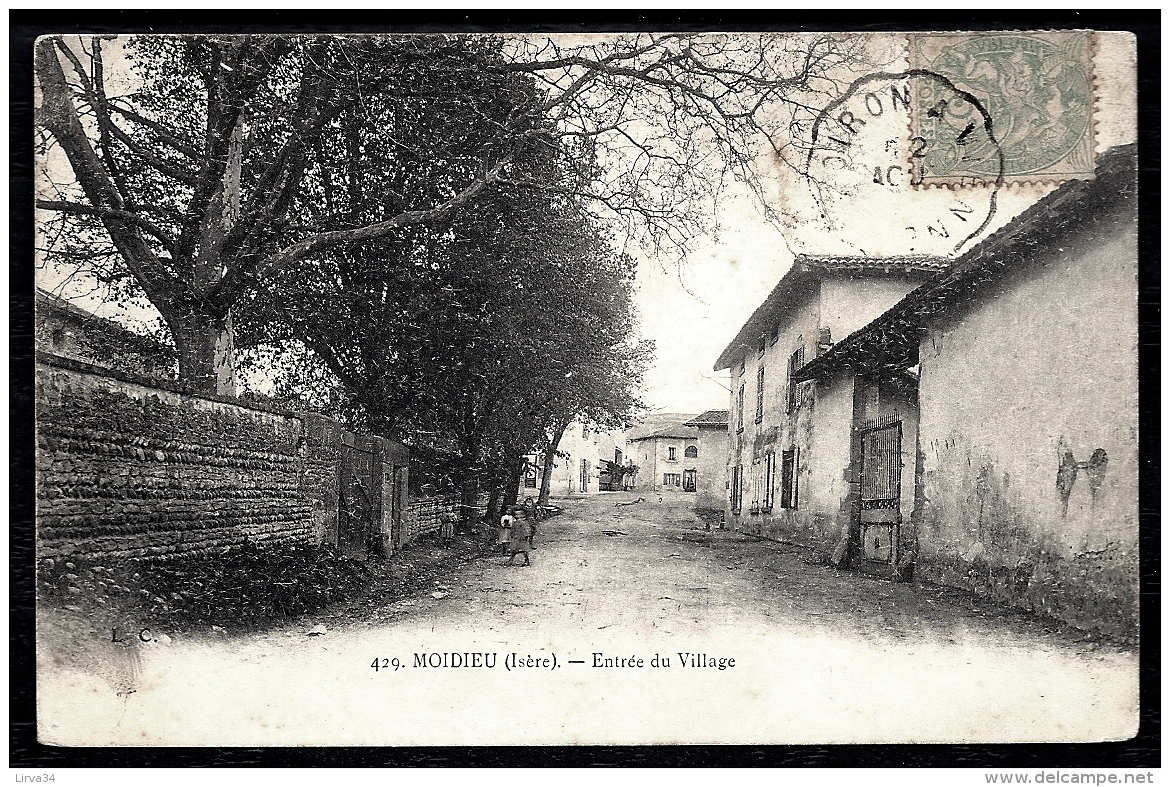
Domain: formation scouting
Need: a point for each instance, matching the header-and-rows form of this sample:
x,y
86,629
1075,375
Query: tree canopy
x,y
207,172
437,224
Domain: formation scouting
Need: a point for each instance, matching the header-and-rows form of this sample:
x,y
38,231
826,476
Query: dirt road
x,y
632,625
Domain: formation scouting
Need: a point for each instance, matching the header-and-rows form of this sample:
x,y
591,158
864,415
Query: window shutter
x,y
788,479
769,481
795,477
760,394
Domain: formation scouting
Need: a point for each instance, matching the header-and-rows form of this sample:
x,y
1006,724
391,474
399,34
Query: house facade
x,y
994,439
666,453
711,465
64,329
788,441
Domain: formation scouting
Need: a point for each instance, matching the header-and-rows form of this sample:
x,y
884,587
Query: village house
x,y
666,452
990,432
711,485
67,330
583,464
788,442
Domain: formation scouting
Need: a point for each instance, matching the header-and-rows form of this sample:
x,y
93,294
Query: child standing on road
x,y
521,536
447,527
504,536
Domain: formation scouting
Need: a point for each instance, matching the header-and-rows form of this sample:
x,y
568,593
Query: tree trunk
x,y
469,496
493,507
471,476
550,455
514,477
498,477
221,216
203,344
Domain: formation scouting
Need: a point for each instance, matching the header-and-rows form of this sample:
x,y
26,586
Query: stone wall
x,y
127,469
425,514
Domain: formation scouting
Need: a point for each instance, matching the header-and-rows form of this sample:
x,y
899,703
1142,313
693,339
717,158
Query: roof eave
x,y
898,326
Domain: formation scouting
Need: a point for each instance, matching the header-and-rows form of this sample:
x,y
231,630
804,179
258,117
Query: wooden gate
x,y
881,489
360,498
398,535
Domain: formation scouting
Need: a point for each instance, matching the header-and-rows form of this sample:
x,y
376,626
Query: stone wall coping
x,y
52,360
376,442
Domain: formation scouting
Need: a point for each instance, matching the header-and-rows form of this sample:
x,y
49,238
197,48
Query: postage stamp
x,y
1037,88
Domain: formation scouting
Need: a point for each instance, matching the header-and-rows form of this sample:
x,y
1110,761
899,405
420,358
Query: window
x,y
671,454
671,479
824,340
775,335
760,394
739,409
788,490
736,489
692,452
769,481
795,362
762,346
584,475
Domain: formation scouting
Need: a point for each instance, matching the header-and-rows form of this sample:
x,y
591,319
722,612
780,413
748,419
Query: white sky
x,y
692,313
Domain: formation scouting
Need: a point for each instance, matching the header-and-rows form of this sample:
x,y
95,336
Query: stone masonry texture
x,y
128,470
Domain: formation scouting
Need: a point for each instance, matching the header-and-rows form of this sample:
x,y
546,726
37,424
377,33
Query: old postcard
x,y
626,388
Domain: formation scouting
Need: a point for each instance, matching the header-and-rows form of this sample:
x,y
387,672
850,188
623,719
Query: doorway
x,y
881,490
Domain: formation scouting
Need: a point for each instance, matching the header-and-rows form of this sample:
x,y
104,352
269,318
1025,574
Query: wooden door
x,y
360,499
881,491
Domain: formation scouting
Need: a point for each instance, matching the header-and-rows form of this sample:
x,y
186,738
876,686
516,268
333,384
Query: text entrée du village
x,y
513,661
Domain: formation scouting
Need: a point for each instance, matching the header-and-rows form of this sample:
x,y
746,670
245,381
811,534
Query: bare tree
x,y
204,172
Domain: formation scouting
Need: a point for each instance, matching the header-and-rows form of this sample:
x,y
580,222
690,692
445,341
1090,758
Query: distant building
x,y
666,453
582,465
711,467
64,329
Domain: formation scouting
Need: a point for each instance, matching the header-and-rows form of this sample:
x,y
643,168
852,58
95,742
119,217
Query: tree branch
x,y
59,116
159,130
276,264
123,215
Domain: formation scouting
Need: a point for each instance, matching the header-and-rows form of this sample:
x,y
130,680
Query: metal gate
x,y
360,499
881,489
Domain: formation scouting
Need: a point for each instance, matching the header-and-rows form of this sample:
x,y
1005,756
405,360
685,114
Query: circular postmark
x,y
866,162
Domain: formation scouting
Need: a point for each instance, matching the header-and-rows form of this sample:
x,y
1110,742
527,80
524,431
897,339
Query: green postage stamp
x,y
1037,90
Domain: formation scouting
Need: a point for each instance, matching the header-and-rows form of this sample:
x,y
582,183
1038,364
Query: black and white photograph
x,y
615,388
